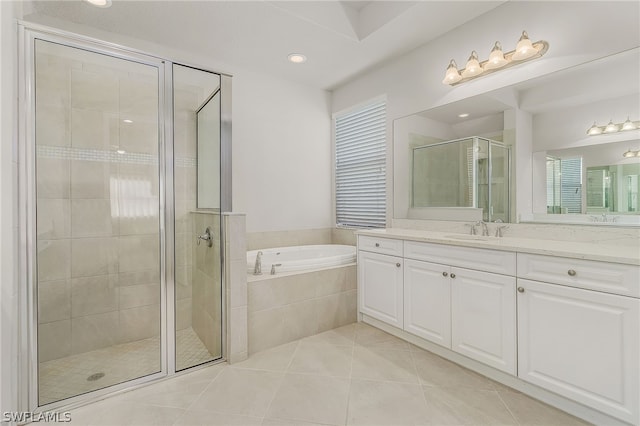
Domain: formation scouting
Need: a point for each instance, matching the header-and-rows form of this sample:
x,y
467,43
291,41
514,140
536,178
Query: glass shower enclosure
x,y
472,172
122,184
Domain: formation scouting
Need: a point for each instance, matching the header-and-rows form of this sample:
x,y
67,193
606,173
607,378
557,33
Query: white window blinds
x,y
360,167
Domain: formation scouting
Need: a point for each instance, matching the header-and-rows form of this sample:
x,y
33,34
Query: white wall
x,y
9,11
576,31
281,154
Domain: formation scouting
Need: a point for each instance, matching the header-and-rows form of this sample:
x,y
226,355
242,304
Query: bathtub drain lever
x,y
273,267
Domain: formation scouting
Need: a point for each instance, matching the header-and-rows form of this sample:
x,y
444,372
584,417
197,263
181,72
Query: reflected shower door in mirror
x,y
453,163
198,271
598,181
466,173
98,212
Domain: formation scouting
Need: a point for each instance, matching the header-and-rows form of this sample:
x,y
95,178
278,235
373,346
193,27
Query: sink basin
x,y
467,237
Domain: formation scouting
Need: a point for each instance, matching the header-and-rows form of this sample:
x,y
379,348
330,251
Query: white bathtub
x,y
300,258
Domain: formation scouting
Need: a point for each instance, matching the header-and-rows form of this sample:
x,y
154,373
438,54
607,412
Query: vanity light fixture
x,y
473,67
463,115
628,125
594,130
525,51
496,58
100,3
612,127
297,58
126,120
629,154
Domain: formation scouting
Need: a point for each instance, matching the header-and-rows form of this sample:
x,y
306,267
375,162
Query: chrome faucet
x,y
273,268
499,230
257,268
472,227
485,228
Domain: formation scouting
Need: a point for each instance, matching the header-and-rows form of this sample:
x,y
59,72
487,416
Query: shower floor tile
x,y
66,377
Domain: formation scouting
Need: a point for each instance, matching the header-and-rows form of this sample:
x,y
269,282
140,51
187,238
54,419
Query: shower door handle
x,y
206,237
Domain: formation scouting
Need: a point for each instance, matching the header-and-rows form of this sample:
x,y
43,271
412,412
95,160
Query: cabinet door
x,y
427,301
581,344
380,287
483,311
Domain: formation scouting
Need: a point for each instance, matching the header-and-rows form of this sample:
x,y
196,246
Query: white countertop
x,y
629,255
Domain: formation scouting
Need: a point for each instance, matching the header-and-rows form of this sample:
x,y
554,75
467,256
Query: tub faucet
x,y
257,268
273,268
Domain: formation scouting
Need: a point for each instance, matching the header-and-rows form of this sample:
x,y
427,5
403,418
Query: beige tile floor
x,y
66,377
353,375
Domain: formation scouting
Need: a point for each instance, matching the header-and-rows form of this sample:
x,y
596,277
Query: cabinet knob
x,y
398,265
453,275
571,272
520,289
445,274
377,244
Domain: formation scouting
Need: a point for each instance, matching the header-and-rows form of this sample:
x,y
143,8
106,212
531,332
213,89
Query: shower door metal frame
x,y
28,203
27,325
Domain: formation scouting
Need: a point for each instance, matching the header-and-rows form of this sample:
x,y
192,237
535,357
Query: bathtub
x,y
314,290
301,258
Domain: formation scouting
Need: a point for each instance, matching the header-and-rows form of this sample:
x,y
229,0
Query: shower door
x,y
98,198
198,268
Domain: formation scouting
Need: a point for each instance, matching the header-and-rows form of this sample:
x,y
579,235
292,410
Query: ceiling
x,y
341,39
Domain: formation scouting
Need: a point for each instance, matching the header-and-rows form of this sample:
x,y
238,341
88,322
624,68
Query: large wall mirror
x,y
576,177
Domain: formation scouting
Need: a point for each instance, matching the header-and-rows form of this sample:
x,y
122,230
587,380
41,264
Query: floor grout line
x,y
284,374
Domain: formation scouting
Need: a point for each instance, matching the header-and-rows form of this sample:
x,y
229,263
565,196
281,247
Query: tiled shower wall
x,y
97,209
207,283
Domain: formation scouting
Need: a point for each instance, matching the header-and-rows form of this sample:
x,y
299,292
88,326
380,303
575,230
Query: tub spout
x,y
257,268
273,268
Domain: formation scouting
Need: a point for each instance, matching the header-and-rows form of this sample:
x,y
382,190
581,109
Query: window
x,y
361,167
564,185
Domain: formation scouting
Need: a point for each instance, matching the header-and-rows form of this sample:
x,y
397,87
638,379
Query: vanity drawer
x,y
380,245
499,262
607,277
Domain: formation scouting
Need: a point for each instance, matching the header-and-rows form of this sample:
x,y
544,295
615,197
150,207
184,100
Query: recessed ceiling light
x,y
297,58
121,151
128,121
463,115
99,3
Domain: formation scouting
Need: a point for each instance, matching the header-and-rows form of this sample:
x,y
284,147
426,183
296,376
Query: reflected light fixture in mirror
x,y
525,51
612,127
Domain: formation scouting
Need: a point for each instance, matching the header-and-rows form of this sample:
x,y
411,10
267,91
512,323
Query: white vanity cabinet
x,y
457,304
581,343
483,317
430,291
380,293
471,312
427,301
